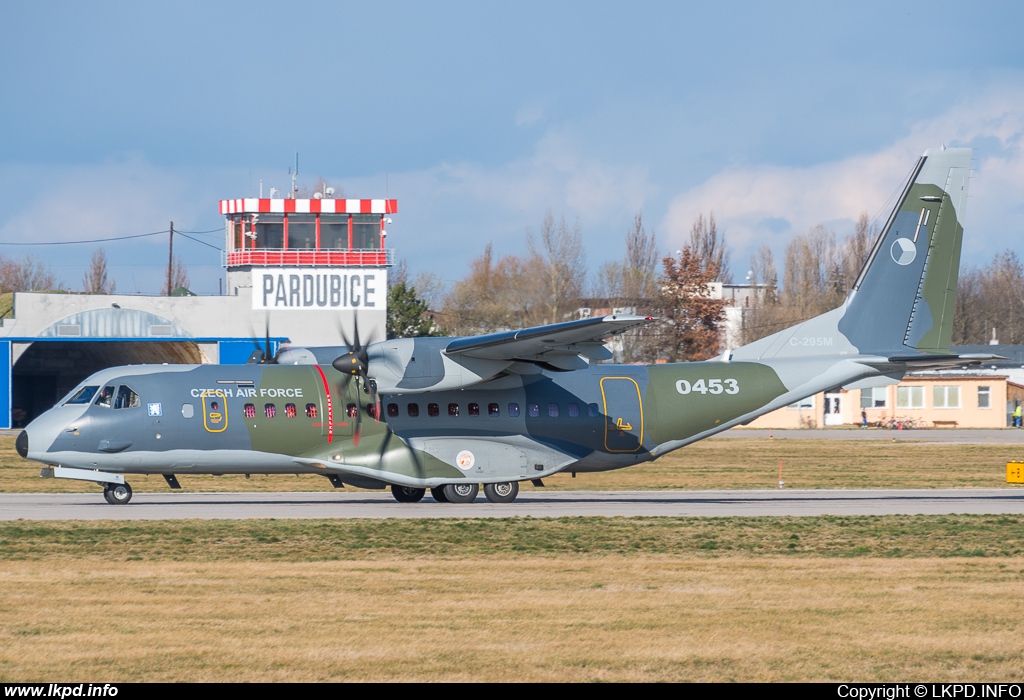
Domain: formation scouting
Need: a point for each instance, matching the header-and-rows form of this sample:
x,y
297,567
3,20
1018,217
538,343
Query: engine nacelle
x,y
413,365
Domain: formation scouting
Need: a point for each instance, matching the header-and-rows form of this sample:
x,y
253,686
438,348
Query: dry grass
x,y
563,618
711,464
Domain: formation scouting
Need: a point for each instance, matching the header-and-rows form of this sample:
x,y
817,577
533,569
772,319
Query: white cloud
x,y
749,203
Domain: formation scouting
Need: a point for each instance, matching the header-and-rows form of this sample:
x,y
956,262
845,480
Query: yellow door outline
x,y
621,424
217,419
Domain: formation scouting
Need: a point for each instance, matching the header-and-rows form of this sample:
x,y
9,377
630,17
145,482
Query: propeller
x,y
261,355
355,364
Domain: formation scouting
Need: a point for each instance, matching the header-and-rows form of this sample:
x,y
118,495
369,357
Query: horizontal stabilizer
x,y
912,363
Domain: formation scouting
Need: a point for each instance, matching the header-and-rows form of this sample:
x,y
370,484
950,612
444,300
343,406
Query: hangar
x,y
304,271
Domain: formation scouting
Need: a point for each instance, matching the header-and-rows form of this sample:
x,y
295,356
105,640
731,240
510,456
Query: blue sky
x,y
480,117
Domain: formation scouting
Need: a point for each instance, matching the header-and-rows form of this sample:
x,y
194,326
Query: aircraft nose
x,y
21,444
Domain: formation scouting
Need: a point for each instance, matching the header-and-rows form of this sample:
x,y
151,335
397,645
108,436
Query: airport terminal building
x,y
304,271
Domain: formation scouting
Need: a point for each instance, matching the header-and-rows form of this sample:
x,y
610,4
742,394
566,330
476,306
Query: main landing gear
x,y
117,494
462,492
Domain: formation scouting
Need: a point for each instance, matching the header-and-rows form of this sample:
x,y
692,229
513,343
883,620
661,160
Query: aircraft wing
x,y
559,345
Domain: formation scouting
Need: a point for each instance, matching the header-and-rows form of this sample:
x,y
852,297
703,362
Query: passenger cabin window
x,y
250,410
126,398
187,410
574,410
493,410
433,410
413,410
473,409
371,410
553,410
270,410
453,409
351,410
105,397
533,410
311,410
592,410
392,410
513,410
83,396
289,410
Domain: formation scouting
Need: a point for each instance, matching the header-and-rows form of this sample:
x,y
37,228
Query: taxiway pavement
x,y
175,506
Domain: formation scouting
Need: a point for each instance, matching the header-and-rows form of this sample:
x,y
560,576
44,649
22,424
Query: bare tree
x,y
179,276
27,275
96,280
857,248
709,247
561,260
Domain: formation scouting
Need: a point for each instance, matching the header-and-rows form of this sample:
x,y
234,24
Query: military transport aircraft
x,y
499,409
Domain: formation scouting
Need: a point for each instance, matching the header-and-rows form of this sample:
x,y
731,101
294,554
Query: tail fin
x,y
902,303
904,298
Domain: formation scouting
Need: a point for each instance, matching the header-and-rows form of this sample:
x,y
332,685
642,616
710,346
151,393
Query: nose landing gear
x,y
117,494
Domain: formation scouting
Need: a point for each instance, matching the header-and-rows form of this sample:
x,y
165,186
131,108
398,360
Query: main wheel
x,y
407,494
117,494
505,492
461,493
438,493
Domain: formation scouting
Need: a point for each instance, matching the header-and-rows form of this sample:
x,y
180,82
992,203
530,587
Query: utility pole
x,y
170,260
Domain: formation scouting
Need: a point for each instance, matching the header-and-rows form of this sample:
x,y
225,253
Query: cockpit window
x,y
126,398
83,395
105,397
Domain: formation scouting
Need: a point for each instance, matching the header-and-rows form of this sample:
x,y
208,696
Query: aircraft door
x,y
624,414
215,411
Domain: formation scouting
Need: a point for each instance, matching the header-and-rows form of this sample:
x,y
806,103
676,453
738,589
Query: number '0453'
x,y
710,386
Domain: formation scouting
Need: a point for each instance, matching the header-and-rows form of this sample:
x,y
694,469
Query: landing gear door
x,y
215,411
624,414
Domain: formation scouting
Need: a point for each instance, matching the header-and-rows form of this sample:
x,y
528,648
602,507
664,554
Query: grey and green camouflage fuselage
x,y
521,405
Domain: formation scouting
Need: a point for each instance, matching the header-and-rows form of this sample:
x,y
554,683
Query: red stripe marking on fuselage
x,y
330,411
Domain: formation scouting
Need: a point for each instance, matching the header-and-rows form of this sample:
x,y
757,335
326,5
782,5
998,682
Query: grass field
x,y
709,464
585,599
892,598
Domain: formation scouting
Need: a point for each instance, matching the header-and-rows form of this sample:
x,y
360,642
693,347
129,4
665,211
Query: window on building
x,y
984,397
301,231
803,404
413,410
311,410
873,398
946,396
365,231
334,232
910,397
269,231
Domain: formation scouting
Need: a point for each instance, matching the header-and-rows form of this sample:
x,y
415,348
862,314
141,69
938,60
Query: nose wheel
x,y
117,494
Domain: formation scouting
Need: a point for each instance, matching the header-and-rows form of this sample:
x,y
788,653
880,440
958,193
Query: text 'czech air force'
x,y
305,288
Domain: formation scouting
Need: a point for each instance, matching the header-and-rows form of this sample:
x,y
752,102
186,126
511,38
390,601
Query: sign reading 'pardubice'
x,y
310,288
